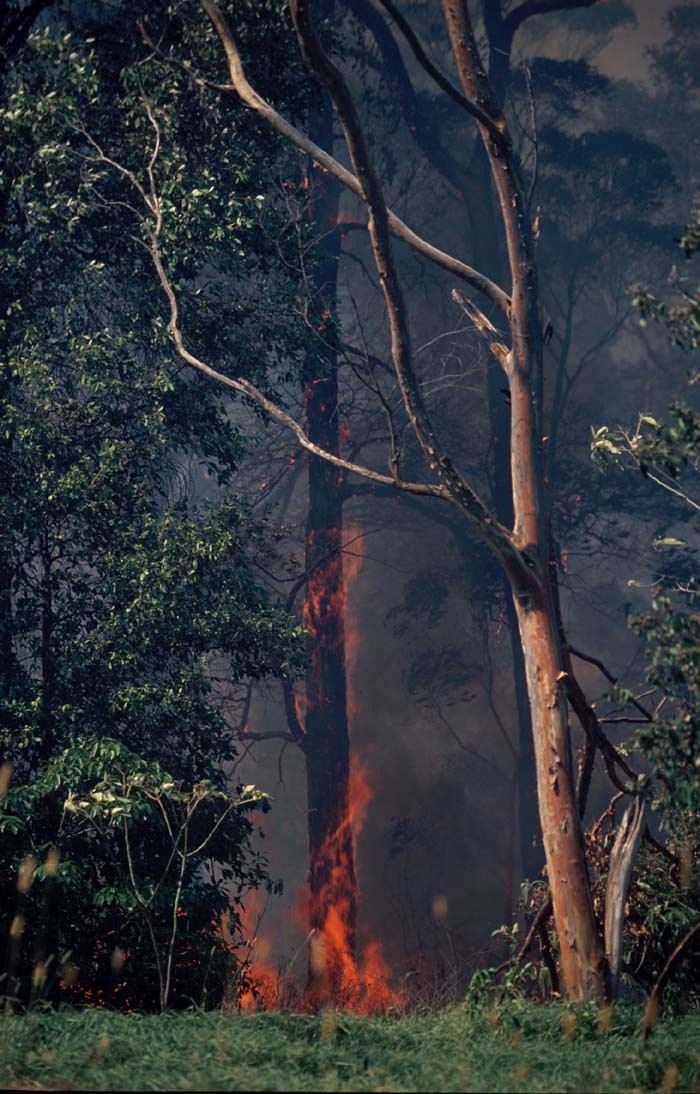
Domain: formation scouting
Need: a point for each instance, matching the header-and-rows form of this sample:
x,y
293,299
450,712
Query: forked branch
x,y
328,163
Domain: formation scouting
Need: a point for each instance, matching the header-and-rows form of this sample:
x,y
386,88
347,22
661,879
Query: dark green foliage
x,y
129,878
672,630
119,590
680,314
665,899
673,739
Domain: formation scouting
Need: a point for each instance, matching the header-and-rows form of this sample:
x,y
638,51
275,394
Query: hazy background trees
x,y
431,677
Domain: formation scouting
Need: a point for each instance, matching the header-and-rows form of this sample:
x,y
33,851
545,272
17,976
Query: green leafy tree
x,y
665,900
118,589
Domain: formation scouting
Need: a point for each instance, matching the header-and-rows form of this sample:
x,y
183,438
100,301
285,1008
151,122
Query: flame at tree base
x,y
336,977
336,980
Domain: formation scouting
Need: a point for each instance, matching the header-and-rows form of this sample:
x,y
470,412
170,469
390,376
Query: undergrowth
x,y
516,1046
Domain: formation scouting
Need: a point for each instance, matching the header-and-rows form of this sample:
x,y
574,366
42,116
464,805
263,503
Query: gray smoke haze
x,y
438,855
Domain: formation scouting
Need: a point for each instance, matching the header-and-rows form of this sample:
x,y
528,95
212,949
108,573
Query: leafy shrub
x,y
124,908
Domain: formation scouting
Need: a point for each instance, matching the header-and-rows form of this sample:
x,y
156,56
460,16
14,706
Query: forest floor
x,y
517,1047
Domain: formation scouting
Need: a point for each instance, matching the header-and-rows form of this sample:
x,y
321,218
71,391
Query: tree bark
x,y
500,33
581,953
332,878
581,956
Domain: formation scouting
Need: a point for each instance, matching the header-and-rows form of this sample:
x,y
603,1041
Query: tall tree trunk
x,y
581,951
486,249
581,956
332,879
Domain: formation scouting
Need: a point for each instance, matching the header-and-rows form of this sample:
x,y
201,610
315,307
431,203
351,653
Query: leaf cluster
x,y
129,601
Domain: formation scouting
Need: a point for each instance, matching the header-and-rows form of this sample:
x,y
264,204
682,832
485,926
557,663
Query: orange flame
x,y
262,991
341,979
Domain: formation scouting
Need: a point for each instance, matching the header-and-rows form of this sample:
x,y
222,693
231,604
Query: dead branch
x,y
621,865
648,716
485,328
590,724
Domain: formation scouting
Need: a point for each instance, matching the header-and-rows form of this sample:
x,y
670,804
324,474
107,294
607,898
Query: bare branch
x,y
244,387
250,97
648,716
592,728
517,17
442,81
485,327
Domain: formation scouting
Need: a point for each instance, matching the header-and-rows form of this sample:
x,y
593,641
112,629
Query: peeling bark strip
x,y
622,858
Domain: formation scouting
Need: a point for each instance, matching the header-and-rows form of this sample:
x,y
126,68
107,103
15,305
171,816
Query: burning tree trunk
x,y
326,743
332,880
522,550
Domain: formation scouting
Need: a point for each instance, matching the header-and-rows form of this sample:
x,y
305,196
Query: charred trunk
x,y
332,880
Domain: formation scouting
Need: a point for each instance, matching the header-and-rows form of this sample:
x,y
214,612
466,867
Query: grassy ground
x,y
517,1048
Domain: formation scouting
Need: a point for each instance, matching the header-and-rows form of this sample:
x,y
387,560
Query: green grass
x,y
516,1048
